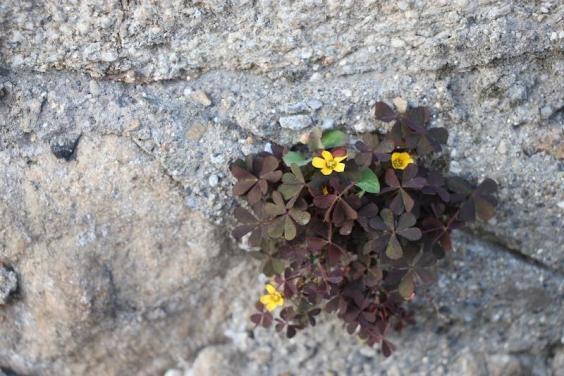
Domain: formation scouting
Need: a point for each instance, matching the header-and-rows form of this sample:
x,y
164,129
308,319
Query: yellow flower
x,y
325,190
401,160
273,299
328,163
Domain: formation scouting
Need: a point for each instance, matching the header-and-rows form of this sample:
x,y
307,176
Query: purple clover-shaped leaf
x,y
400,189
254,176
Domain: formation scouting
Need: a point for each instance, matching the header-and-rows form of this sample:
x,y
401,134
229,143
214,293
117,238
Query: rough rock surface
x,y
8,284
118,120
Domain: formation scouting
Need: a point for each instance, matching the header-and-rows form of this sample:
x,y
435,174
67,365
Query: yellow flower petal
x,y
326,171
318,162
266,299
271,289
273,299
327,155
271,306
340,167
401,160
340,159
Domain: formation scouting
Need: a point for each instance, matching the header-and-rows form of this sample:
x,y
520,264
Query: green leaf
x,y
257,255
406,286
289,228
276,228
292,183
388,217
368,181
273,266
296,170
293,157
274,210
484,207
301,217
406,221
394,250
333,139
278,266
290,189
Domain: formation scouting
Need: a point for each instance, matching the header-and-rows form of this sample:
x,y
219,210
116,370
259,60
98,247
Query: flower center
x,y
397,163
331,164
275,298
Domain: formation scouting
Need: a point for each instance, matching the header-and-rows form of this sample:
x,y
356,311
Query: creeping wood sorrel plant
x,y
353,228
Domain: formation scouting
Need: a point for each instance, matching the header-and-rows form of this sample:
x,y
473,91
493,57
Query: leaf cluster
x,y
358,243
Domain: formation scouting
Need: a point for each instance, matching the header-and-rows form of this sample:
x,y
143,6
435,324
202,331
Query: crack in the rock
x,y
483,235
502,246
442,71
547,54
449,70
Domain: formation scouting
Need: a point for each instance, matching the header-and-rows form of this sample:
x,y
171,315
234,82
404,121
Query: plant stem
x,y
328,212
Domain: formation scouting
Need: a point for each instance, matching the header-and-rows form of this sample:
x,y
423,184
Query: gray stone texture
x,y
117,123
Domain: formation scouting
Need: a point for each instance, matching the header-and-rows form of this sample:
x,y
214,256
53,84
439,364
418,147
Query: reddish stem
x,y
328,212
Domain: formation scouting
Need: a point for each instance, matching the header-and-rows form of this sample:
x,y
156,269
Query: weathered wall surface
x,y
118,119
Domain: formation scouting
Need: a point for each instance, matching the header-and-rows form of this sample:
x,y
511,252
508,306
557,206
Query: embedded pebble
x,y
546,112
201,97
314,104
517,93
213,180
174,372
94,87
296,122
400,103
328,123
